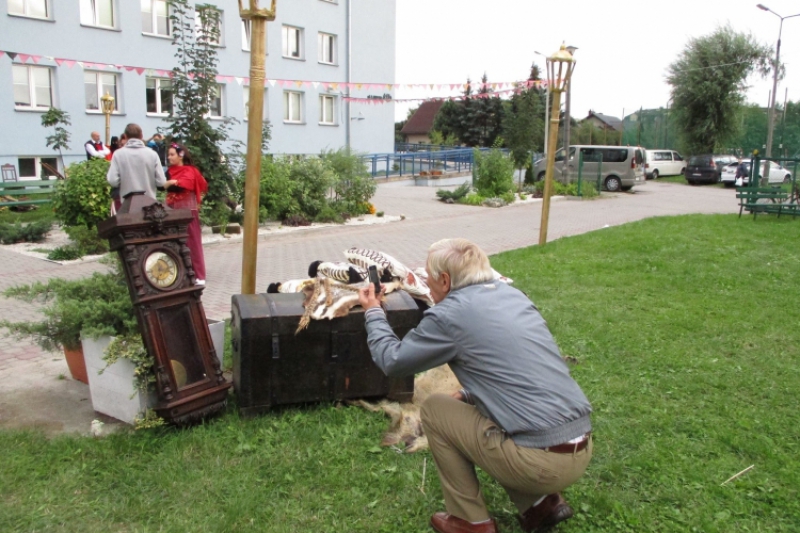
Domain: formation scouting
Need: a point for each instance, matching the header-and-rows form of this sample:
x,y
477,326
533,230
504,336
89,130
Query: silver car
x,y
777,173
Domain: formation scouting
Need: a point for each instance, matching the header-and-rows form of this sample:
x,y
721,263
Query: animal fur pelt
x,y
405,425
328,298
388,265
292,285
344,272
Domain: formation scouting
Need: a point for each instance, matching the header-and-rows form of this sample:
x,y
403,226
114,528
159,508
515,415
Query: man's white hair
x,y
466,263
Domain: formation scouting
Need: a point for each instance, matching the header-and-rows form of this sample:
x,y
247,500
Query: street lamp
x,y
107,105
258,18
559,71
776,66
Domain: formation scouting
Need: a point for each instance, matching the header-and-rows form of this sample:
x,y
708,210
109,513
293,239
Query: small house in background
x,y
418,128
604,122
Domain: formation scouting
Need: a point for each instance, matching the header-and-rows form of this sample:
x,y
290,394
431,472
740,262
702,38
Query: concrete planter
x,y
112,392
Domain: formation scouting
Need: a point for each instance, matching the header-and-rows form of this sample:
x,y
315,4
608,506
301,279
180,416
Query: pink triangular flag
x,y
307,83
128,68
325,85
1,53
36,59
59,62
23,57
191,75
69,63
246,81
139,70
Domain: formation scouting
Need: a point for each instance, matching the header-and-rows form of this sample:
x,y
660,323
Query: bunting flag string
x,y
377,101
495,88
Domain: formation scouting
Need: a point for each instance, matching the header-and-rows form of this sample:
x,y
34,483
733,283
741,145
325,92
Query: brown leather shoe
x,y
551,511
447,523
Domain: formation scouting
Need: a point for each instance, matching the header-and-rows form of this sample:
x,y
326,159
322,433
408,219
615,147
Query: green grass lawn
x,y
682,180
40,212
686,333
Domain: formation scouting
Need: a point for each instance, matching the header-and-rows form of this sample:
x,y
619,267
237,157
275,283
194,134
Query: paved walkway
x,y
31,377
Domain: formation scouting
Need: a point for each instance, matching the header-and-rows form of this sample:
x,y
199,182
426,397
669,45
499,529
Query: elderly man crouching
x,y
520,417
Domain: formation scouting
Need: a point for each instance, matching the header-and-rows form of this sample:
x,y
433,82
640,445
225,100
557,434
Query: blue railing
x,y
408,164
411,147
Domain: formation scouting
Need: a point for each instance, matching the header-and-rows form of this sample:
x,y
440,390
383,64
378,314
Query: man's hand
x,y
458,395
367,297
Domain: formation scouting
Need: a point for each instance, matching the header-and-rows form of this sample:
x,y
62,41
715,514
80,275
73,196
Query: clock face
x,y
161,270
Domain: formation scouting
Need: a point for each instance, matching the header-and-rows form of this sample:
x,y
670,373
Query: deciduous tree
x,y
708,82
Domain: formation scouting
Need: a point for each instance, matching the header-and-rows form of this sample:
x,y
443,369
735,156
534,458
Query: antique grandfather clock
x,y
151,241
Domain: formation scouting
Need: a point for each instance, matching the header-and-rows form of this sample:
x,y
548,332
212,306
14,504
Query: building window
x,y
327,48
155,17
29,8
247,104
159,96
97,84
327,106
97,13
215,108
246,27
211,31
32,87
292,42
292,107
32,168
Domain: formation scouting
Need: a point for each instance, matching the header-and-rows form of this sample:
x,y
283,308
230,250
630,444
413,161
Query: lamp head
x,y
559,68
571,50
762,7
107,103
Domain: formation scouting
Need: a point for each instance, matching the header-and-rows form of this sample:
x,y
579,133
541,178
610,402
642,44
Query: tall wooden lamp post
x,y
559,70
258,50
107,106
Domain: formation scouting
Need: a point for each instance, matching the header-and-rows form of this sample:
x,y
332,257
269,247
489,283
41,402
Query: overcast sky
x,y
624,46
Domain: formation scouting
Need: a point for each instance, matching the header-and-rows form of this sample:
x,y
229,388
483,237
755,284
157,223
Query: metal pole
x,y
547,116
774,91
551,156
567,120
258,51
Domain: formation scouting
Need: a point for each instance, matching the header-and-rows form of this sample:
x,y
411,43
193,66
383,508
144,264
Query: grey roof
x,y
612,122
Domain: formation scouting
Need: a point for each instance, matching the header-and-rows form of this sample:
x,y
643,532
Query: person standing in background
x,y
185,190
95,147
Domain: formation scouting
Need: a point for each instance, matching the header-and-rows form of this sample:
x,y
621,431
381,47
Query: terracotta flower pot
x,y
76,364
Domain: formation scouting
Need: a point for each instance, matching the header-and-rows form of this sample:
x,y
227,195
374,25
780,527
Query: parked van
x,y
620,167
663,163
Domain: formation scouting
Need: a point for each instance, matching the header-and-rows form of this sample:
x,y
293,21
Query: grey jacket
x,y
135,167
501,350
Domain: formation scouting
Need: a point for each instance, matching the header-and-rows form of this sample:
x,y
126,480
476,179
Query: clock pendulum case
x,y
151,242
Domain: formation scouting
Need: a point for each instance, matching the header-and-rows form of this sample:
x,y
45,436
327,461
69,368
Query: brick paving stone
x,y
286,255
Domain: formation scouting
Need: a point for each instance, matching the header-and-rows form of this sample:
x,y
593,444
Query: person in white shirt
x,y
96,148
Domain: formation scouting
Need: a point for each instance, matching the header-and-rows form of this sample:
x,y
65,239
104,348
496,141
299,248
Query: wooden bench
x,y
757,200
26,192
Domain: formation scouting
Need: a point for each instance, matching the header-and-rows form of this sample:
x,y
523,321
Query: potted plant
x,y
94,306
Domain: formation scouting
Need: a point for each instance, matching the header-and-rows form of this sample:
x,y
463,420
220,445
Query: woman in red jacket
x,y
185,189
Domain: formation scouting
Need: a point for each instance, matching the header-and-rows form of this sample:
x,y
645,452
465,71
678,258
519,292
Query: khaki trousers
x,y
461,438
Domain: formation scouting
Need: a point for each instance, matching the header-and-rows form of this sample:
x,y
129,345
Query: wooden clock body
x,y
151,242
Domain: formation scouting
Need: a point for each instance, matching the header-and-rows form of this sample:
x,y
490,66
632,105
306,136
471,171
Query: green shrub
x,y
455,195
83,199
68,252
95,306
32,232
472,198
329,214
312,179
508,197
353,184
87,240
494,173
277,196
379,214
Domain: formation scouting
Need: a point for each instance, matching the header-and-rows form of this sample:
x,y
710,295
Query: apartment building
x,y
69,53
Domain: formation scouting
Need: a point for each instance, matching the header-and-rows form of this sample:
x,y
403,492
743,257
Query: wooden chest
x,y
328,361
